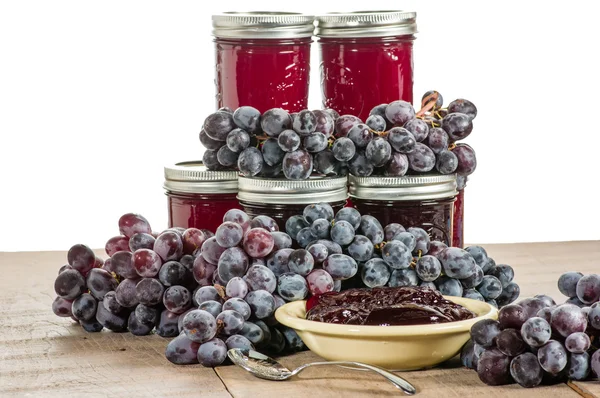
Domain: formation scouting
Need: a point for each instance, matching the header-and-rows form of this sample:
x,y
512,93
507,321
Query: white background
x,y
96,97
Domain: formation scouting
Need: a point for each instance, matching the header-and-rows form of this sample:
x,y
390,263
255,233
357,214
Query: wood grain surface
x,y
43,355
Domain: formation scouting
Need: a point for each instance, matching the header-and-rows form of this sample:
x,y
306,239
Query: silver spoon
x,y
267,368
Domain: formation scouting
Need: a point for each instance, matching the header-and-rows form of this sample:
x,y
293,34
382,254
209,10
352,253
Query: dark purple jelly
x,y
386,306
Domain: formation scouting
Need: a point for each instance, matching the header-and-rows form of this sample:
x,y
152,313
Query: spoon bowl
x,y
267,368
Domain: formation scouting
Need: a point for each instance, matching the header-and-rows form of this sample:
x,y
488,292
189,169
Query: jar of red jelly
x,y
366,59
197,197
280,198
413,201
263,59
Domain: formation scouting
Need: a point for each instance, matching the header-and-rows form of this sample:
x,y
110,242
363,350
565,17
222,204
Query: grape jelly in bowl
x,y
353,335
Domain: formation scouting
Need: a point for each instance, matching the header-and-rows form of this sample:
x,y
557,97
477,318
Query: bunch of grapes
x,y
537,341
396,140
271,144
369,255
144,284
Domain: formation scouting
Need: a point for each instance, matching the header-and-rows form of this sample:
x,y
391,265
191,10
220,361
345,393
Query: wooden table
x,y
43,355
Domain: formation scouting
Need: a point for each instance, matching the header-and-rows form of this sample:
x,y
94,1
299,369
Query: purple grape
x,y
594,316
116,323
100,282
237,141
588,289
403,277
457,263
402,140
211,250
247,118
206,293
422,240
212,353
399,112
344,124
361,249
536,331
342,233
236,287
361,134
473,280
169,246
258,242
146,262
238,305
182,351
130,224
468,357
343,149
70,284
226,157
305,122
422,159
111,304
300,262
374,273
409,240
81,258
278,261
238,341
292,286
177,299
436,247
512,316
318,252
230,322
532,306
203,271
449,287
546,314
526,370
509,294
567,283
340,266
396,255
264,222
260,277
579,366
457,125
503,272
418,128
91,326
274,121
595,363
125,293
294,224
446,162
376,123
391,230
578,343
193,238
438,140
253,333
552,357
261,302
398,165
199,326
229,234
493,367
360,166
510,342
567,319
547,300
371,228
428,268
84,307
217,125
463,106
250,162
490,287
289,141
146,315
319,281
174,273
297,165
467,162
432,96
472,294
208,142
325,163
62,307
168,324
484,332
378,152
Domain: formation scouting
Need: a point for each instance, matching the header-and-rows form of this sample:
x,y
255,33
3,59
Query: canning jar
x,y
412,201
280,198
197,197
458,235
366,59
262,59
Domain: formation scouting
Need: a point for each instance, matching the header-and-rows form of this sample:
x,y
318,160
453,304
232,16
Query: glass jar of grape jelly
x,y
197,197
263,59
280,198
366,59
413,201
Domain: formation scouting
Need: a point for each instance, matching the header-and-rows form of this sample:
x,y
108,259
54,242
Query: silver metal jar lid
x,y
282,191
193,177
405,188
263,25
367,24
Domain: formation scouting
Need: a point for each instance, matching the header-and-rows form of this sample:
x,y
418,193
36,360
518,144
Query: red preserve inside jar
x,y
198,198
280,199
366,59
263,60
412,201
458,236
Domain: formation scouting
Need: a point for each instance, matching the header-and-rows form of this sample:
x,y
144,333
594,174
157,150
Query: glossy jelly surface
x,y
386,306
263,73
359,73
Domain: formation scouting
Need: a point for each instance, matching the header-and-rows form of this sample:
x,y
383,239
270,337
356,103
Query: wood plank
x,y
43,355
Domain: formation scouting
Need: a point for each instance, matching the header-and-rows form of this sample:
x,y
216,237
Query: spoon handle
x,y
392,378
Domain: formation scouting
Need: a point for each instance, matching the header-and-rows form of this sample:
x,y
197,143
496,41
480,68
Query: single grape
x,y
253,333
141,241
493,367
343,149
265,222
340,266
274,121
168,324
422,159
342,233
325,163
432,96
509,294
174,273
463,106
292,286
271,152
457,125
226,157
259,277
116,323
176,299
293,342
289,141
552,357
332,247
449,287
146,262
250,162
360,166
512,316
398,165
304,123
146,315
344,124
229,322
237,216
318,210
403,277
536,331
236,287
436,247
81,258
473,280
91,326
510,342
371,228
490,287
217,125
391,230
438,140
467,162
319,281
62,307
99,282
233,262
422,240
238,305
378,152
467,356
122,263
237,141
325,121
247,118
378,110
594,316
428,268
111,304
402,140
83,307
209,159
238,341
126,294
130,224
567,283
320,228
70,284
182,351
361,134
318,252
305,237
409,240
396,255
484,332
278,261
294,224
446,162
418,128
547,300
526,370
203,271
588,289
375,122
297,165
531,306
399,112
208,142
229,234
579,366
375,273
361,249
258,242
503,272
457,263
199,326
301,262
578,342
567,319
261,302
169,246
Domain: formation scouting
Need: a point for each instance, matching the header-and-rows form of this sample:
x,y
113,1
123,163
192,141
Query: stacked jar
x,y
198,198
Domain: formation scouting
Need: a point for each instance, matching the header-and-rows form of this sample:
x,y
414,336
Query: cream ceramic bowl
x,y
390,347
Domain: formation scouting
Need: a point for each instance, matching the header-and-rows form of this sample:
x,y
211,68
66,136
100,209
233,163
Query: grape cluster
x,y
358,250
273,144
396,140
537,341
